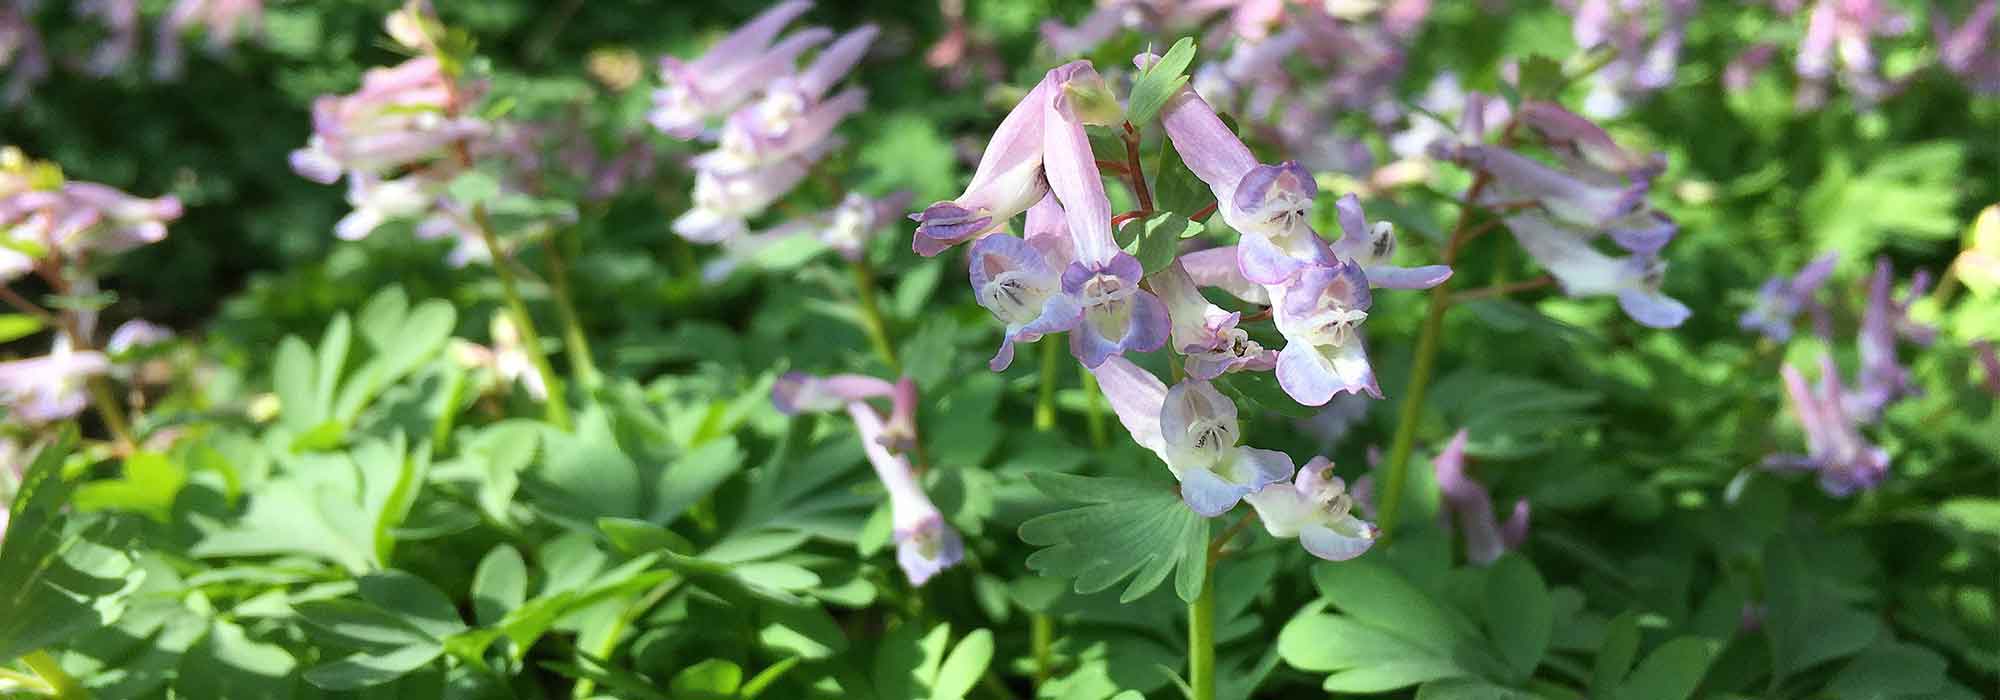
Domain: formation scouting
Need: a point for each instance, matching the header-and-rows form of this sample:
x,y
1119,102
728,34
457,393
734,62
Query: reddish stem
x,y
1205,212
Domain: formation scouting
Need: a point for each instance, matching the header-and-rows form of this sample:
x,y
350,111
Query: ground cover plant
x,y
994,349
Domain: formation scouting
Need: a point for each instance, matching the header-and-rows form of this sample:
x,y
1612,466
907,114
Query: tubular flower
x,y
1192,428
1118,316
1646,52
793,115
507,359
1009,179
1882,380
1781,299
1467,502
1018,280
42,216
402,116
51,387
925,543
724,201
1268,204
846,229
1968,50
725,76
1846,462
798,392
1320,316
1582,271
1317,509
1372,247
1842,30
1204,333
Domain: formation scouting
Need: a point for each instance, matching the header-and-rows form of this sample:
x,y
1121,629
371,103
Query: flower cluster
x,y
223,22
1595,189
1838,47
1781,299
117,23
1969,50
925,543
1832,413
777,122
1644,39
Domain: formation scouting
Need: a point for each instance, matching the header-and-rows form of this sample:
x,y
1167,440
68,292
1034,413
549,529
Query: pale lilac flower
x,y
846,229
223,21
1008,181
1193,428
1320,315
121,26
1205,334
1583,271
798,392
134,335
1781,299
1645,37
1020,280
1842,31
508,359
1446,98
793,114
1372,246
724,201
402,116
21,51
1595,206
74,220
1268,204
1846,462
722,78
1317,509
925,543
376,202
1969,50
1118,316
1882,380
1467,502
51,387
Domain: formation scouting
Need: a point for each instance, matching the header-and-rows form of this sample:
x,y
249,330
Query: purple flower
x,y
1467,502
1646,52
21,51
1018,280
1614,208
1204,333
1009,179
121,26
1843,30
136,334
731,70
1268,204
724,200
402,116
1968,51
223,21
1846,462
925,543
793,115
1193,428
1780,299
1446,98
1317,509
51,387
1320,315
72,219
1882,380
1372,247
1582,271
1118,316
798,392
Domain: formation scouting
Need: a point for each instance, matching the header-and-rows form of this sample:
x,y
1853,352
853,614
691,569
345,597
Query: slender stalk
x,y
1136,172
1098,437
102,398
1045,404
557,407
1215,546
576,343
64,686
871,312
1501,290
585,687
1042,632
13,299
1201,638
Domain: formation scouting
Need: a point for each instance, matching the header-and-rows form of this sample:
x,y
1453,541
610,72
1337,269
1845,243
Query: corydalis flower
x,y
1193,428
1317,509
51,387
725,76
41,216
1583,271
402,116
1320,316
1968,50
1646,40
1467,502
793,115
1882,380
508,359
1008,181
846,229
1781,299
1843,30
1018,280
1845,461
1206,335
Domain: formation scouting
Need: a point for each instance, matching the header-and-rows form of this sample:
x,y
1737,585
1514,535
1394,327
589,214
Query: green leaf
x,y
1671,672
473,188
1158,83
806,631
766,677
1261,391
418,602
17,326
1891,670
1518,615
962,669
590,473
499,585
292,378
1981,515
357,623
150,483
1375,594
1361,657
60,574
1807,624
366,670
638,536
1541,78
906,663
1615,657
711,678
1137,529
1175,187
694,475
228,664
1470,689
1159,239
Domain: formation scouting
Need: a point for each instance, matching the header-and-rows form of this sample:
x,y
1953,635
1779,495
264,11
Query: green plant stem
x,y
61,684
1045,404
1042,633
557,407
1099,439
585,687
871,313
28,682
1201,638
576,343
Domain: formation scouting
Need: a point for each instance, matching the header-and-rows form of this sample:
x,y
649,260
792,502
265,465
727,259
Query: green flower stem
x,y
1201,638
871,314
576,343
1099,439
61,684
1042,632
1045,404
557,407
